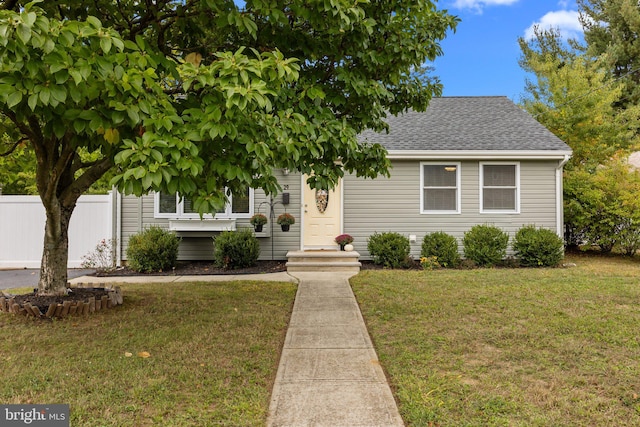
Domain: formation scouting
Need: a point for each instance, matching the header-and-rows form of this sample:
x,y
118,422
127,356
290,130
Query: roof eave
x,y
479,154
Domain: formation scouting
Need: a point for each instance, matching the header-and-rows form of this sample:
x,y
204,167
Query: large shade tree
x,y
201,95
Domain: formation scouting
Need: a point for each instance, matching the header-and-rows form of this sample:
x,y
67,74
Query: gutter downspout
x,y
118,228
559,196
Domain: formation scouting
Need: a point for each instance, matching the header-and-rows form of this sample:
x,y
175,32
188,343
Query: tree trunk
x,y
53,269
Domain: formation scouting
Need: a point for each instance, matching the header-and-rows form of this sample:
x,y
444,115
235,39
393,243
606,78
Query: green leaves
x,y
24,33
94,22
28,18
243,22
14,99
276,87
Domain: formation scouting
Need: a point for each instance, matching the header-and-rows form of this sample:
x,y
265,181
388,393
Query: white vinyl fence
x,y
22,221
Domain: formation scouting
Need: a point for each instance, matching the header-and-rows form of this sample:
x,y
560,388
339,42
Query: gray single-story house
x,y
465,161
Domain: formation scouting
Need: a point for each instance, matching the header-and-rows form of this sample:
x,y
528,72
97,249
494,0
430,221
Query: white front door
x,y
322,211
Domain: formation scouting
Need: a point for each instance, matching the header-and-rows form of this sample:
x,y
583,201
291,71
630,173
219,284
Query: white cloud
x,y
479,4
566,21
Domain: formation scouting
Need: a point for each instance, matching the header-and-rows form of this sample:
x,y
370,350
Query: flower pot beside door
x,y
285,220
343,240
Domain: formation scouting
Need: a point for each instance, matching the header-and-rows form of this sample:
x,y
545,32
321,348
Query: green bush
x,y
236,249
629,237
153,249
602,207
389,249
538,247
486,245
442,246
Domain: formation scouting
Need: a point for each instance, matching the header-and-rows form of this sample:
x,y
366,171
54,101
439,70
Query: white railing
x,y
22,220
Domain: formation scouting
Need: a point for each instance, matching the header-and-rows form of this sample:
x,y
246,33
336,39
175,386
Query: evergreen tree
x,y
612,27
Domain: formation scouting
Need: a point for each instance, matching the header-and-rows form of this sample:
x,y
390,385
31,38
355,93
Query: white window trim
x,y
481,180
458,188
227,214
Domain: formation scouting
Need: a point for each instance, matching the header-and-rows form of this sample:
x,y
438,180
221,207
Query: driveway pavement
x,y
28,277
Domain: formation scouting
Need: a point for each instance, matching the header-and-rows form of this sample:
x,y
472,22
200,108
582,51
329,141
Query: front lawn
x,y
510,347
191,354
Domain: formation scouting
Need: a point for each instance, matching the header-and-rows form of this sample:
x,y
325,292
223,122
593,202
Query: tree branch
x,y
13,147
26,131
76,188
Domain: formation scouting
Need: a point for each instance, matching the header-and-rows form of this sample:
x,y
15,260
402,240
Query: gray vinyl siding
x,y
380,205
138,214
282,242
393,204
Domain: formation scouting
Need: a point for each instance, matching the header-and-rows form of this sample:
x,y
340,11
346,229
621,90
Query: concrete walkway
x,y
329,374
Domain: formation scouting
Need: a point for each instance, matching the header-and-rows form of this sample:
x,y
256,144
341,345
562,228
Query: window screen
x,y
440,187
499,190
168,204
240,202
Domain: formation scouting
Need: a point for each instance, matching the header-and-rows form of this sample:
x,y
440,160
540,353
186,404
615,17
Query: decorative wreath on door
x,y
322,200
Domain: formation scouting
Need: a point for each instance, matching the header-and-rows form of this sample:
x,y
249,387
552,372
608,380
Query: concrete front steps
x,y
319,260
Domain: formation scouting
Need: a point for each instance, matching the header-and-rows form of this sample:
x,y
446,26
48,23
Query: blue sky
x,y
481,57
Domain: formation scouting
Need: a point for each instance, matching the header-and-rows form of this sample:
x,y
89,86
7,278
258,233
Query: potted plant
x,y
285,220
343,240
258,220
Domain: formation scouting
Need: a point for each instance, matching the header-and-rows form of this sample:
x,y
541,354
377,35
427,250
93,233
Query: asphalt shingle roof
x,y
466,123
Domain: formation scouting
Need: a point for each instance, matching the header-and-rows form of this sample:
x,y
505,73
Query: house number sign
x,y
322,200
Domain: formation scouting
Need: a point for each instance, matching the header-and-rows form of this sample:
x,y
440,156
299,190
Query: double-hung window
x,y
440,188
500,187
174,207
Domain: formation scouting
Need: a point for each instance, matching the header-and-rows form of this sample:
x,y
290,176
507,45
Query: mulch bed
x,y
199,268
43,302
79,301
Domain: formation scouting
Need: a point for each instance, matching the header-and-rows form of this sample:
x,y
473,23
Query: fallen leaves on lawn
x,y
143,354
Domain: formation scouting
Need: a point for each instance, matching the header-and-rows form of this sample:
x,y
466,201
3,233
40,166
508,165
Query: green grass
x,y
510,347
214,350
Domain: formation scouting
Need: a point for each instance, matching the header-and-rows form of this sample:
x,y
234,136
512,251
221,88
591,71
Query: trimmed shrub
x,y
389,249
486,245
236,249
629,237
443,247
153,249
538,247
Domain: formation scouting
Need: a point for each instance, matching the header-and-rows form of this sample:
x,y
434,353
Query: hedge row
x,y
484,245
156,249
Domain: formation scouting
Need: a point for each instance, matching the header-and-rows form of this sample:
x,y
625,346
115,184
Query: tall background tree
x,y
198,96
577,96
612,27
574,95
